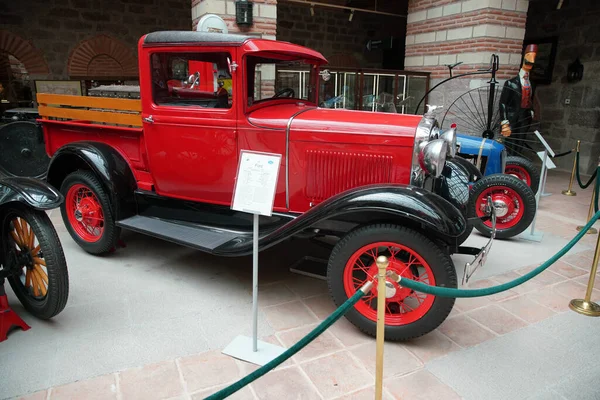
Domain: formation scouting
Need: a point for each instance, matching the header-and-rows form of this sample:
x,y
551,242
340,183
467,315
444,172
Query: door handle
x,y
148,119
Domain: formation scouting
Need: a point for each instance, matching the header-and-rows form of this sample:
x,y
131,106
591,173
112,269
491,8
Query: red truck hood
x,y
323,124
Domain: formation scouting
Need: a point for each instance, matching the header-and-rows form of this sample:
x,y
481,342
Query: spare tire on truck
x,y
22,150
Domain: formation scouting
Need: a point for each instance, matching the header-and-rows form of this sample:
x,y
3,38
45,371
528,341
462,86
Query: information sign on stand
x,y
255,193
546,164
549,163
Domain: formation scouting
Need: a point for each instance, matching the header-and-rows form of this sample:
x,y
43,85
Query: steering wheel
x,y
286,92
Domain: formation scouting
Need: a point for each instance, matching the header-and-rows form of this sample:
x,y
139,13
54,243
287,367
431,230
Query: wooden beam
x,y
88,101
93,116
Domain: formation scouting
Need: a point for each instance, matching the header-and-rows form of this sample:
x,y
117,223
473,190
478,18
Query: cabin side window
x,y
191,79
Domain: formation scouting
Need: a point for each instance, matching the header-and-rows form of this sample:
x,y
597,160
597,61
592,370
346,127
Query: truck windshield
x,y
270,78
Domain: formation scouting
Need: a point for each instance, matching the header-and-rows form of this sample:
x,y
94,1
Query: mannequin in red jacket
x,y
516,100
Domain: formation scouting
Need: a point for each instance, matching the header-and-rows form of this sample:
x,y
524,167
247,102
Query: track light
x,y
351,16
312,10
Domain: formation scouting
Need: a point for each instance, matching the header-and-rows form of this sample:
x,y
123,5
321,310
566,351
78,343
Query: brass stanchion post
x,y
586,306
570,192
382,264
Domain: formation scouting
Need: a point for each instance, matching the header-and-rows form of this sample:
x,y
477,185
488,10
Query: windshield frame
x,y
314,80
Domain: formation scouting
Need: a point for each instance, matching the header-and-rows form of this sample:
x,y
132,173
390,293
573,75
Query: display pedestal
x,y
241,348
531,234
255,193
8,318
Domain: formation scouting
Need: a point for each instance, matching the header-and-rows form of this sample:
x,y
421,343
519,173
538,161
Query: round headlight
x,y
450,138
432,157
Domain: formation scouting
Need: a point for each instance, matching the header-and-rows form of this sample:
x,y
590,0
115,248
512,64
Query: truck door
x,y
190,123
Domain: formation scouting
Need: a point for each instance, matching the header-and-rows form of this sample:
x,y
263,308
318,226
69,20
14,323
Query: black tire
x,y
525,166
439,262
511,186
474,173
110,232
53,301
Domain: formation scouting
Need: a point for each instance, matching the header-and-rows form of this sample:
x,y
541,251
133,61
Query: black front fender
x,y
107,164
453,186
32,192
369,204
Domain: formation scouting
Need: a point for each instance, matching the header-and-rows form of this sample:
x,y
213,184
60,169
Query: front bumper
x,y
482,253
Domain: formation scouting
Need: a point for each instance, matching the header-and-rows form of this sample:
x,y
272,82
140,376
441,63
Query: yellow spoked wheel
x,y
33,255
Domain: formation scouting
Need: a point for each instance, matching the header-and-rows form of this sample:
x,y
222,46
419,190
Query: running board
x,y
192,235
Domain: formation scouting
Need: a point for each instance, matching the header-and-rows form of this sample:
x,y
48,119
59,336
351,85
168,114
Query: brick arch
x,y
102,56
22,50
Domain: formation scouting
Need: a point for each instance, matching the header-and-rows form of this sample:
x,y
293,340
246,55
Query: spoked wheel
x,y
471,112
523,169
87,214
408,314
34,256
513,200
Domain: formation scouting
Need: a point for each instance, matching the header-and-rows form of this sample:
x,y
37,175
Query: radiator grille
x,y
331,172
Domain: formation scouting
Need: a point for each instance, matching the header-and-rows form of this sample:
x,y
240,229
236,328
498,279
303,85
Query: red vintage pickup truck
x,y
165,165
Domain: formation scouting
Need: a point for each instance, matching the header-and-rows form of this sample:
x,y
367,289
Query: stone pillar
x,y
443,32
264,16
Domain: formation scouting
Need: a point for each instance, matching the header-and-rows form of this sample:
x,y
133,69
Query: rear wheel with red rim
x,y
87,214
513,200
408,314
523,169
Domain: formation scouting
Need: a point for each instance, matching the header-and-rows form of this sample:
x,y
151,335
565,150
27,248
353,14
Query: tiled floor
x,y
340,363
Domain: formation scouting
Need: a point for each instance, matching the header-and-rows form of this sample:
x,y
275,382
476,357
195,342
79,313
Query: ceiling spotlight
x,y
312,10
351,16
559,5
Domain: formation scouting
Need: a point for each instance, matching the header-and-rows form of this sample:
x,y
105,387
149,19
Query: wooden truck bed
x,y
117,122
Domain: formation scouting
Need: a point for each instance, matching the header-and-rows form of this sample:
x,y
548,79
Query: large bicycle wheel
x,y
477,113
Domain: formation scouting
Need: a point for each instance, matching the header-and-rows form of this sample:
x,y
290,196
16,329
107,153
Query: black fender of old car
x,y
31,192
107,164
453,185
385,203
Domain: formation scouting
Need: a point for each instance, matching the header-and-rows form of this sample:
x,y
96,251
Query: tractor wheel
x,y
408,314
513,201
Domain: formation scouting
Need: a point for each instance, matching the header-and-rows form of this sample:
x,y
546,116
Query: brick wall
x,y
330,32
56,27
576,25
441,32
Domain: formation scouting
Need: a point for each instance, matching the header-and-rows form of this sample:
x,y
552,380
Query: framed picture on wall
x,y
58,87
544,61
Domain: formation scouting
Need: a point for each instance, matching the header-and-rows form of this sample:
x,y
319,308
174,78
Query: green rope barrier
x,y
312,335
451,292
581,185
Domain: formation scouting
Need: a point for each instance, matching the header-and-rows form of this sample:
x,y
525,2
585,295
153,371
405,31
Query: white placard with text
x,y
544,143
256,182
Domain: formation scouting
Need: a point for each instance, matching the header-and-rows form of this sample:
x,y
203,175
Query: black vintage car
x,y
31,256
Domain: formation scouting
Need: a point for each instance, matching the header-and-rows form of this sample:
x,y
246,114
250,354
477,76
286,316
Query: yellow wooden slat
x,y
87,101
94,116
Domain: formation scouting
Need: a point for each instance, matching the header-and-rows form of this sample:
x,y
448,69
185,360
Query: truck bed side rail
x,y
90,109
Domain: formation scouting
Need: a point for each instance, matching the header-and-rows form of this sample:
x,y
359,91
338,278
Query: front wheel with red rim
x,y
513,200
87,214
408,314
523,169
